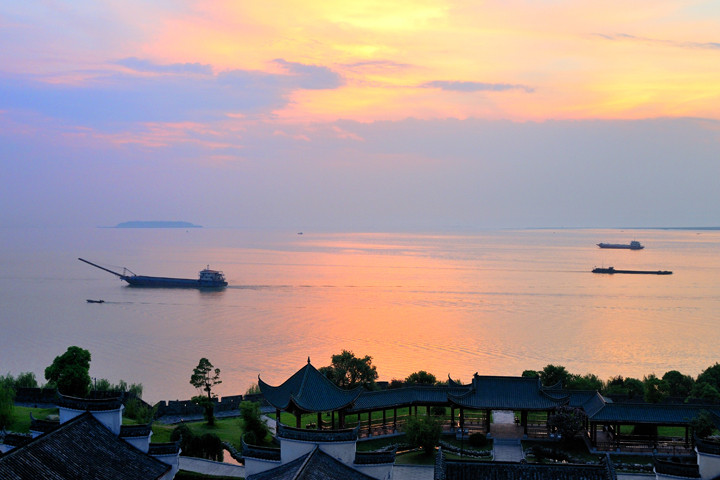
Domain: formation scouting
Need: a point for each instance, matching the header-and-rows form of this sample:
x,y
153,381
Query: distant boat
x,y
645,272
95,301
207,279
634,245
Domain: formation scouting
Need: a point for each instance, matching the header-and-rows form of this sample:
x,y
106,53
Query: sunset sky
x,y
373,115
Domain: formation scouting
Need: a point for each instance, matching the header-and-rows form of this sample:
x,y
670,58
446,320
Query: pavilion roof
x,y
80,448
659,414
316,465
308,390
415,395
509,393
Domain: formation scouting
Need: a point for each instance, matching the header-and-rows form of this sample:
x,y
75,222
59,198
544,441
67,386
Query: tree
x,y
711,375
554,374
70,372
423,432
254,427
207,446
205,377
677,384
654,389
348,371
567,422
26,380
705,392
421,378
588,381
530,374
7,398
703,425
634,387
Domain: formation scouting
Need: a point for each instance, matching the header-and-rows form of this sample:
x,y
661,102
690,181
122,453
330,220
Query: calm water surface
x,y
494,302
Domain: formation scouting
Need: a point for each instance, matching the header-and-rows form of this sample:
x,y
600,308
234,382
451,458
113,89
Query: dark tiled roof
x,y
316,465
89,404
374,458
684,470
475,470
167,448
396,397
706,446
317,436
523,471
509,393
263,453
44,426
648,413
15,439
80,448
308,391
135,430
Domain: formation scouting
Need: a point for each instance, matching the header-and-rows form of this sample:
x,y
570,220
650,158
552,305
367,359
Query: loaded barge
x,y
642,272
634,245
207,279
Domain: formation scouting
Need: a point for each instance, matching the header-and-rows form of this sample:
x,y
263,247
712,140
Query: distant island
x,y
156,224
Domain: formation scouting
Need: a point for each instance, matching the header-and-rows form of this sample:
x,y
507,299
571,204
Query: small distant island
x,y
156,224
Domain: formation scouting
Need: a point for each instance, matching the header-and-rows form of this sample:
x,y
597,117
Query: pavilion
x,y
308,391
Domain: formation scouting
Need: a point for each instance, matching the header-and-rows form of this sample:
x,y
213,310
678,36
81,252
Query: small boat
x,y
207,279
95,301
642,272
634,245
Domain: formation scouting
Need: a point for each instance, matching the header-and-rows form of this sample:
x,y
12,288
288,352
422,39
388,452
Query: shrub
x,y
423,432
477,439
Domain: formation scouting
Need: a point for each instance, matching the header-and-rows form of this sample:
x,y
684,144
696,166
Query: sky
x,y
360,116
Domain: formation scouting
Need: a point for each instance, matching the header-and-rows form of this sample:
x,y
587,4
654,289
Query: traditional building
x,y
474,470
309,391
302,450
89,442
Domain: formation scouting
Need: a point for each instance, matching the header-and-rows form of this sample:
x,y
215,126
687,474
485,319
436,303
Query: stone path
x,y
506,437
507,450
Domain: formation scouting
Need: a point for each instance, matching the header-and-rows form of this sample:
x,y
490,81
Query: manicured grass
x,y
378,443
21,417
228,429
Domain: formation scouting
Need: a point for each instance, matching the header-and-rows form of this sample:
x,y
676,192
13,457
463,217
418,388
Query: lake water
x,y
493,302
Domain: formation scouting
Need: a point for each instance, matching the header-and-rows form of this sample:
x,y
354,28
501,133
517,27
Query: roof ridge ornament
x,y
308,359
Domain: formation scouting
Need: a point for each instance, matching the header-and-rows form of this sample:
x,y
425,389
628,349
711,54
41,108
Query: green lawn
x,y
228,429
21,417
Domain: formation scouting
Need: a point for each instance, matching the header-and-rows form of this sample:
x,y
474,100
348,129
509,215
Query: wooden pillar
x,y
488,414
332,420
319,420
462,422
524,421
394,418
452,417
341,419
277,415
297,419
369,423
687,436
384,419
